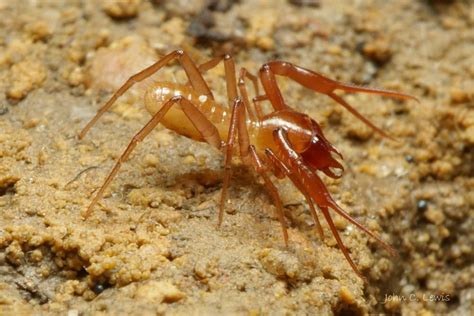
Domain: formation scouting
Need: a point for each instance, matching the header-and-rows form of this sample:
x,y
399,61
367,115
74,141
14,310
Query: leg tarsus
x,y
356,113
349,218
228,156
343,248
271,189
133,143
280,167
316,218
318,192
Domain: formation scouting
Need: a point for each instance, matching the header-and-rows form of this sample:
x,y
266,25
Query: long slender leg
x,y
324,210
244,73
270,85
258,165
341,245
248,154
317,190
316,187
256,103
229,69
202,124
195,78
275,167
228,156
279,165
244,139
237,122
357,114
349,218
245,97
318,83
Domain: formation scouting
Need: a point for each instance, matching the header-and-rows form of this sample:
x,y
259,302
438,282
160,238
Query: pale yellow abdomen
x,y
175,119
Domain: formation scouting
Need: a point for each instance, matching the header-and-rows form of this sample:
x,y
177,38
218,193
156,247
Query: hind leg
x,y
201,123
194,76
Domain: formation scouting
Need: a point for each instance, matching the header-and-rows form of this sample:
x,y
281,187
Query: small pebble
x,y
189,160
421,205
279,263
76,77
159,291
39,30
409,158
25,76
378,51
460,96
346,295
121,9
99,288
435,216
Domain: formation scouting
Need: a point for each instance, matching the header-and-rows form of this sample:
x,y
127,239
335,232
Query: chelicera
x,y
284,142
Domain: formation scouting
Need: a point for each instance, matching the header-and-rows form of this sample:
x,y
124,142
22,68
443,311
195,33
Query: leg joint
x,y
238,101
176,98
265,67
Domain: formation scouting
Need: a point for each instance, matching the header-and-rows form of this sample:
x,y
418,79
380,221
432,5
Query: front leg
x,y
260,169
234,119
320,84
318,192
249,156
279,167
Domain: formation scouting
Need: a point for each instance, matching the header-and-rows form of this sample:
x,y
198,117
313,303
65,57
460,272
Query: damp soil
x,y
152,245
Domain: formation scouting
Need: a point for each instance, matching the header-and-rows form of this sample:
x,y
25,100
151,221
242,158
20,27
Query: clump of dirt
x,y
151,245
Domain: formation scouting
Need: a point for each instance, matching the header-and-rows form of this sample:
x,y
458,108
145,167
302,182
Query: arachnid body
x,y
284,142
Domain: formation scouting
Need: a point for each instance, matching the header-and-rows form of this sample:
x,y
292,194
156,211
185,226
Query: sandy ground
x,y
152,246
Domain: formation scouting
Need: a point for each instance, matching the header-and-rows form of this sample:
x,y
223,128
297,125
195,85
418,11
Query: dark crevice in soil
x,y
8,188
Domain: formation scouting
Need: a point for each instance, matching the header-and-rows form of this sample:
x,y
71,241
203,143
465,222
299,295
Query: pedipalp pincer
x,y
284,142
